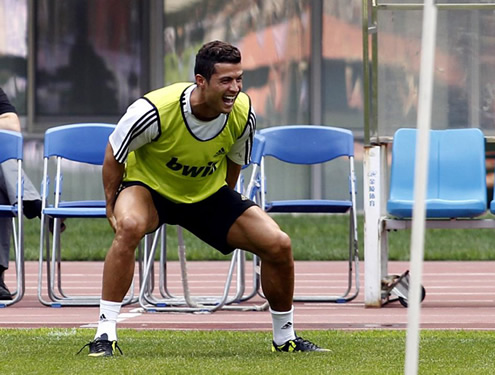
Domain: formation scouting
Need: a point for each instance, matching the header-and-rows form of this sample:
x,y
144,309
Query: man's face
x,y
223,88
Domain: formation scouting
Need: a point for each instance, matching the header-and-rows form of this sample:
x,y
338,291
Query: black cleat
x,y
297,345
101,347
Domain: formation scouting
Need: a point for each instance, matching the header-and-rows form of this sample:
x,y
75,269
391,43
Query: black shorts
x,y
209,219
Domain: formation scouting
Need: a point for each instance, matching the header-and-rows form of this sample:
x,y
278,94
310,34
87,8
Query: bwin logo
x,y
192,171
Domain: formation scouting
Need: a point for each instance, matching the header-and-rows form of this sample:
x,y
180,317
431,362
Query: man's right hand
x,y
111,219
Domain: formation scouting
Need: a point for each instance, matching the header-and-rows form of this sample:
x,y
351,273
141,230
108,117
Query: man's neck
x,y
199,108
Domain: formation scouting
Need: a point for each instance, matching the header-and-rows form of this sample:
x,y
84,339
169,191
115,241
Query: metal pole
x,y
316,112
420,183
439,6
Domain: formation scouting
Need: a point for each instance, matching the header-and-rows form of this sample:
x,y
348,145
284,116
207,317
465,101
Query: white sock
x,y
109,311
283,327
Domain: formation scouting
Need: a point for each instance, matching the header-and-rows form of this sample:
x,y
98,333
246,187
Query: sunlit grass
x,y
53,351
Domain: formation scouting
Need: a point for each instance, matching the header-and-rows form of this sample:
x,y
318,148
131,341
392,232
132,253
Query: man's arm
x,y
10,121
112,173
8,116
233,171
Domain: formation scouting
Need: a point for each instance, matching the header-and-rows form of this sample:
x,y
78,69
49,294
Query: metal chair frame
x,y
83,143
12,148
309,145
168,302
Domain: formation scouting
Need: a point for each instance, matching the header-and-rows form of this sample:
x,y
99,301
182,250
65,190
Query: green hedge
x,y
314,237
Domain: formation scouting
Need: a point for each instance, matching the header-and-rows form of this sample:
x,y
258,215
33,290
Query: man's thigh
x,y
211,219
254,230
136,202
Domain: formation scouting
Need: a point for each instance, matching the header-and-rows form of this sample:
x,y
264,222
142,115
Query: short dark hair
x,y
212,53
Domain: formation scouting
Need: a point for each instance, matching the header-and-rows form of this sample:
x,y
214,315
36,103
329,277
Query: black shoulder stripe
x,y
144,121
251,126
137,128
249,146
158,120
125,151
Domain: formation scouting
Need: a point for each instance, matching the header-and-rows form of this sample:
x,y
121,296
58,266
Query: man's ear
x,y
200,80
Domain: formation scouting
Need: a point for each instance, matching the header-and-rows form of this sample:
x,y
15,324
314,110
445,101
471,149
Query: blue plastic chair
x,y
81,143
309,145
456,174
456,190
11,144
492,203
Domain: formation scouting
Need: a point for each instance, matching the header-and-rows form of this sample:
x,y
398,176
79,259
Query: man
x,y
8,192
174,158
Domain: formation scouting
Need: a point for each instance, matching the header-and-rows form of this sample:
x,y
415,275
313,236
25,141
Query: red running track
x,y
459,295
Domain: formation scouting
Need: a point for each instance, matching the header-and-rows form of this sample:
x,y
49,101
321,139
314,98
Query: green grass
x,y
314,237
53,351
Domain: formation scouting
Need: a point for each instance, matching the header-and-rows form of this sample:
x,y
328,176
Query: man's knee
x,y
130,229
279,248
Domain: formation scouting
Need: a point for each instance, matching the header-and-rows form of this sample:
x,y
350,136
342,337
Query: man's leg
x,y
135,215
5,235
258,233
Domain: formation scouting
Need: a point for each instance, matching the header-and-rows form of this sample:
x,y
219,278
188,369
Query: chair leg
x,y
57,297
352,271
186,302
18,245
